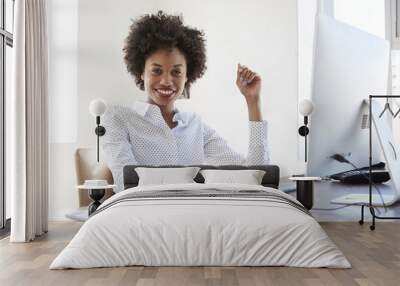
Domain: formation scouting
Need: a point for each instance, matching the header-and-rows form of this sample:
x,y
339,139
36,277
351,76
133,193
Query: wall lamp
x,y
97,108
306,107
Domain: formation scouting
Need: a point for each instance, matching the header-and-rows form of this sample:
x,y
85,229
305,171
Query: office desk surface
x,y
325,191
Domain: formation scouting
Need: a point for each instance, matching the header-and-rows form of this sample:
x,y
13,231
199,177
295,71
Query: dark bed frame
x,y
270,179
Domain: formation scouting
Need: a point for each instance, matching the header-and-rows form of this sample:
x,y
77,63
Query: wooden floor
x,y
374,255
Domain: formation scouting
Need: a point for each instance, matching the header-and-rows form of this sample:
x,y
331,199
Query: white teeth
x,y
165,92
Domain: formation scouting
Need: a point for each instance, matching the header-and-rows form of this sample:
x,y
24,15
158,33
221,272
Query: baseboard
x,y
59,215
58,219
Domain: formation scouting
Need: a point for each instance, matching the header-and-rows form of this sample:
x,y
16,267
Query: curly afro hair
x,y
161,31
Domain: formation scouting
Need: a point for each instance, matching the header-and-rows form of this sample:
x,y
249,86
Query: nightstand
x,y
305,190
96,193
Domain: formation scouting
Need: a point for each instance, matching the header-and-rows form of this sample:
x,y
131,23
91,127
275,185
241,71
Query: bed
x,y
201,224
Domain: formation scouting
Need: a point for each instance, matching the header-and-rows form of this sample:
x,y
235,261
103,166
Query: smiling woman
x,y
151,34
165,77
165,57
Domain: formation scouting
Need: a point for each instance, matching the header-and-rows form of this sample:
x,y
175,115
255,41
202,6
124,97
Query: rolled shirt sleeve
x,y
258,152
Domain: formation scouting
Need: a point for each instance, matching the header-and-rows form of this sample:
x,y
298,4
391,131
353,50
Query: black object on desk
x,y
362,175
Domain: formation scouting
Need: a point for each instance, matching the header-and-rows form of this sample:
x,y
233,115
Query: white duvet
x,y
200,231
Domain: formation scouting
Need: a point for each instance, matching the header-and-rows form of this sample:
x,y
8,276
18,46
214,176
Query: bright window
x,y
367,15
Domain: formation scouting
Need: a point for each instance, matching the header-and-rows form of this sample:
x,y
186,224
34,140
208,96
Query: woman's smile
x,y
165,92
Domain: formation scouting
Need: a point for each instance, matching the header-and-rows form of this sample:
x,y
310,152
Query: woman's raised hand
x,y
249,84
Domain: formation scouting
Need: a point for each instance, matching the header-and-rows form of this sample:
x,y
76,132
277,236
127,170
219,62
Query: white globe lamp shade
x,y
306,107
97,107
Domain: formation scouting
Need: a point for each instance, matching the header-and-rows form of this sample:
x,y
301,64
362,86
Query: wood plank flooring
x,y
374,255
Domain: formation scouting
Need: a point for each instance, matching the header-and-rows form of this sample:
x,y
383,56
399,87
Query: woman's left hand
x,y
249,84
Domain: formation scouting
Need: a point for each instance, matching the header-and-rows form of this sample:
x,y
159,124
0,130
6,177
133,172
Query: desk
x,y
325,191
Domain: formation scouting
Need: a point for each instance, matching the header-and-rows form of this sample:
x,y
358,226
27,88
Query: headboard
x,y
270,179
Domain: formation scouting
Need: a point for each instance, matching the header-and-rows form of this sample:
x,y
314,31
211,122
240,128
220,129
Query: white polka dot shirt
x,y
140,136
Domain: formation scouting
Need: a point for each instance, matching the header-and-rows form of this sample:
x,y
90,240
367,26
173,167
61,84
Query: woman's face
x,y
164,76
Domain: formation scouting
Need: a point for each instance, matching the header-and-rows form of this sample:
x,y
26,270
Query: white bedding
x,y
182,231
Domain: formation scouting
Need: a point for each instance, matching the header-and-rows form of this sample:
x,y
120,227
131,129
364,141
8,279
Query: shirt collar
x,y
179,117
141,107
144,109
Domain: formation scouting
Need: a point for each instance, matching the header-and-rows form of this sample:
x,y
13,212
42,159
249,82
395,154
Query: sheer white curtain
x,y
29,120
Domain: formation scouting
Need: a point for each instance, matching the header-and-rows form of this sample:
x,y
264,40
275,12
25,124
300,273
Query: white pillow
x,y
162,176
248,177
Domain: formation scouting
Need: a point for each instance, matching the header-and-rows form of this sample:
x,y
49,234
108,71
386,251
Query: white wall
x,y
63,105
306,22
305,27
259,33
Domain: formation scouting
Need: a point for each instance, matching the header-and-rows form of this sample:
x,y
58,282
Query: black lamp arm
x,y
306,120
100,131
303,131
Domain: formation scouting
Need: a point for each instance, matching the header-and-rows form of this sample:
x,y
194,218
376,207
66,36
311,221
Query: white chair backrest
x,y
87,168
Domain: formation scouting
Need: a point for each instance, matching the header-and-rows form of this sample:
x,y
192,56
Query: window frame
x,y
393,23
6,39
